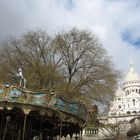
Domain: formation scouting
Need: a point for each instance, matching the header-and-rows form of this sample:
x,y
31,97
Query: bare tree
x,y
72,62
85,64
33,52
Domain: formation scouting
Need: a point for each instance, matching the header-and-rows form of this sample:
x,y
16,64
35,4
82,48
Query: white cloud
x,y
109,19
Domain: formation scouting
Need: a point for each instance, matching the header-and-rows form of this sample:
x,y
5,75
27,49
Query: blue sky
x,y
129,37
115,22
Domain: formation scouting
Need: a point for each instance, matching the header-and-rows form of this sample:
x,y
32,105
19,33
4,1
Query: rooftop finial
x,y
131,64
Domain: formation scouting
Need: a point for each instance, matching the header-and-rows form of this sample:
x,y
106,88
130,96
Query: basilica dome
x,y
132,75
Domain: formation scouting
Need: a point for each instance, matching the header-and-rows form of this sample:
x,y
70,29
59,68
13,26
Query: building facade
x,y
126,103
124,108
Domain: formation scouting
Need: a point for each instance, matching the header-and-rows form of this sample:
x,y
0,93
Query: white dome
x,y
132,74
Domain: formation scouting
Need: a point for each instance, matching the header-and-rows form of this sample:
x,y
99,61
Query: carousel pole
x,y
81,133
19,129
30,131
19,132
61,124
1,128
5,130
26,112
40,130
24,126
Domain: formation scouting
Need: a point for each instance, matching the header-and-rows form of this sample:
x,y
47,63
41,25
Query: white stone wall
x,y
127,96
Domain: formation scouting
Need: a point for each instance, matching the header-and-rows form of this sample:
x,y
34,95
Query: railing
x,y
91,131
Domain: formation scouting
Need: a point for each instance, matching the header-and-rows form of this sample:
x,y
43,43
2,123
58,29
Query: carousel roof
x,y
43,101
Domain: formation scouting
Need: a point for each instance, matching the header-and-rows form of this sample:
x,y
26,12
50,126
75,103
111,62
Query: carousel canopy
x,y
43,101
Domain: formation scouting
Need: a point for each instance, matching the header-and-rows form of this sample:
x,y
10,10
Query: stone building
x,y
124,109
126,103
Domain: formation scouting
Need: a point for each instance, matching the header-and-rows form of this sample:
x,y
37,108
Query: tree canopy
x,y
73,63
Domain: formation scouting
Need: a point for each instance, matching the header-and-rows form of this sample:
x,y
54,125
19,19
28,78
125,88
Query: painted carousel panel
x,y
40,99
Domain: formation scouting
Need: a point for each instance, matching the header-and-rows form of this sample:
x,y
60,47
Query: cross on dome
x,y
131,63
132,66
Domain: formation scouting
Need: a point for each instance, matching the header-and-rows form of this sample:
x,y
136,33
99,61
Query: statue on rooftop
x,y
22,82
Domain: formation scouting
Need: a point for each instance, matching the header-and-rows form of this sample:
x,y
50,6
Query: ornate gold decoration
x,y
26,111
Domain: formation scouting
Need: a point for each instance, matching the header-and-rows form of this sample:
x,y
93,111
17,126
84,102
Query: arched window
x,y
133,101
128,92
134,112
119,106
128,112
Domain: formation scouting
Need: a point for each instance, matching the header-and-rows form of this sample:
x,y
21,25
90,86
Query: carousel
x,y
38,115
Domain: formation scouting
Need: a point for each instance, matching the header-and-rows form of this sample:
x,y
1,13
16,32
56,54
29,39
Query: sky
x,y
115,22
